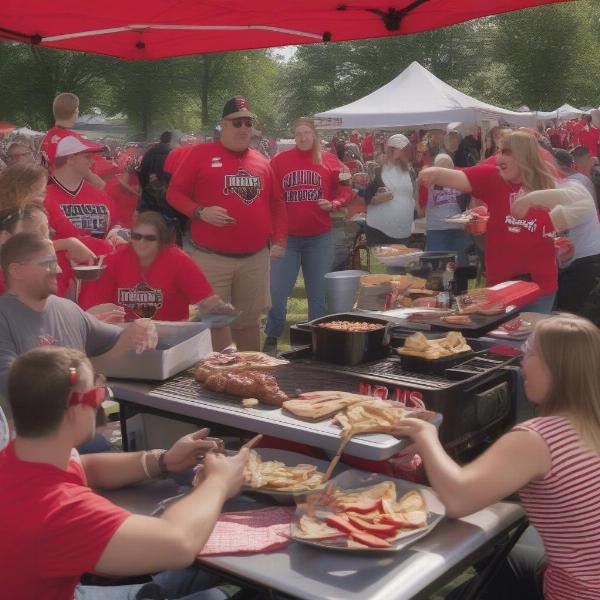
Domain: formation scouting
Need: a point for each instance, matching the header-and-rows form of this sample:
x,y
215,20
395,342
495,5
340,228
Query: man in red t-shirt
x,y
55,528
66,112
91,214
230,193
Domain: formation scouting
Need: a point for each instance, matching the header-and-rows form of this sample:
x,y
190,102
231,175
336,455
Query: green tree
x,y
546,51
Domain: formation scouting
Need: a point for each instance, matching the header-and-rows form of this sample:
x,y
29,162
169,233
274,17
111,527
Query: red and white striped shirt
x,y
564,507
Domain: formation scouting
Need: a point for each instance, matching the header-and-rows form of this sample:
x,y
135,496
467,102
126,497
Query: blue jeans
x,y
186,584
315,255
449,240
543,304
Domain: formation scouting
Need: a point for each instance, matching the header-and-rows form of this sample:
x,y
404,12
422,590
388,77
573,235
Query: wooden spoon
x,y
336,459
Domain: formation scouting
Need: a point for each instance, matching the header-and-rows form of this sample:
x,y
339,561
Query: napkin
x,y
262,530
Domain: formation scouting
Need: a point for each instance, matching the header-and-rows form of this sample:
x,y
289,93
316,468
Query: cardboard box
x,y
180,346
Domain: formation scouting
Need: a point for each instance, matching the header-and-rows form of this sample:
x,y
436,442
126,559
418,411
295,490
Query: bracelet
x,y
143,458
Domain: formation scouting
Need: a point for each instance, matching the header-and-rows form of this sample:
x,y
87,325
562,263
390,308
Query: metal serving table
x,y
182,396
308,573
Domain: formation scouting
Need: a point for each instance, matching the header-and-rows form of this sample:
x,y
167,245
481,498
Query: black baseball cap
x,y
237,107
563,157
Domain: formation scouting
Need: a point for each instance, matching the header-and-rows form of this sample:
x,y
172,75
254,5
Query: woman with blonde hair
x,y
22,192
313,183
526,203
552,460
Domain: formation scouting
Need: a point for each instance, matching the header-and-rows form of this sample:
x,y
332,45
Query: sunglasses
x,y
151,237
504,151
16,215
245,121
94,397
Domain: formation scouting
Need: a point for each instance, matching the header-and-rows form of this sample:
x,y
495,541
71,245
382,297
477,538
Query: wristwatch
x,y
198,213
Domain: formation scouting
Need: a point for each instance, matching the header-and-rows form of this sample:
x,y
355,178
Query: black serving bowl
x,y
349,347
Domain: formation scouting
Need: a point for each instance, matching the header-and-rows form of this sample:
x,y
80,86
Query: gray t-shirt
x,y
62,323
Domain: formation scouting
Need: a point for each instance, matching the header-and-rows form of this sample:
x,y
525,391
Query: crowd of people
x,y
222,228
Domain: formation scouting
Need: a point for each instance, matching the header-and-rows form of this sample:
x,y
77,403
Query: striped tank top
x,y
564,507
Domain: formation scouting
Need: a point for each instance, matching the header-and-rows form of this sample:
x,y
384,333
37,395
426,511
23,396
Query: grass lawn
x,y
297,308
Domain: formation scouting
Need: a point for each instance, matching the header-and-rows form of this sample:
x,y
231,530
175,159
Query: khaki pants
x,y
242,281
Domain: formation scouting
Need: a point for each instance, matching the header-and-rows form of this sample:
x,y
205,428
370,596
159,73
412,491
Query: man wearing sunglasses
x,y
230,193
31,315
55,528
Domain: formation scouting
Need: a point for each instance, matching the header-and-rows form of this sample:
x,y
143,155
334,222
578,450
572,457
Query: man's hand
x,y
326,205
217,216
428,176
188,450
277,251
141,335
78,252
226,472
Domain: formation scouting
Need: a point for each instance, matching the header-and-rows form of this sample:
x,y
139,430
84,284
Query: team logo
x,y
244,185
216,162
142,300
93,217
309,181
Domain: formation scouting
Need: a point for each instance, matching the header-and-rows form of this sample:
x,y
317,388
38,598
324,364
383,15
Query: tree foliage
x,y
540,57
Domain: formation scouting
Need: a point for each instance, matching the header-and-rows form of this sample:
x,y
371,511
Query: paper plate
x,y
353,480
291,459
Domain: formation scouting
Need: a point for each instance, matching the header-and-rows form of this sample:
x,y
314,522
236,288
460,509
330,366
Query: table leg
x,y
483,579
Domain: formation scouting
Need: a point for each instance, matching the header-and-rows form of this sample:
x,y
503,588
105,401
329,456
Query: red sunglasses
x,y
94,397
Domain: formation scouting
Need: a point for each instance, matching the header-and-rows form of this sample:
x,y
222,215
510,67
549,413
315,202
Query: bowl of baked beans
x,y
349,339
351,326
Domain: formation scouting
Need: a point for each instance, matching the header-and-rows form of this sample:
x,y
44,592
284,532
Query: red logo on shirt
x,y
142,299
46,340
246,186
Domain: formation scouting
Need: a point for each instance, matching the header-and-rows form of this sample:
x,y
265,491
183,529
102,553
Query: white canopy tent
x,y
417,98
564,113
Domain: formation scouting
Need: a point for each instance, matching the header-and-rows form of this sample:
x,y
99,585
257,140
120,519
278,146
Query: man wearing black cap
x,y
229,192
566,164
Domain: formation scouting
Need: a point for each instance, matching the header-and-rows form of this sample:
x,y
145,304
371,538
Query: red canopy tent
x,y
151,29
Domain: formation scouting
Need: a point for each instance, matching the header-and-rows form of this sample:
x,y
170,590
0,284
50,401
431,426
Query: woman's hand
x,y
277,251
420,431
324,204
188,450
521,205
215,305
428,176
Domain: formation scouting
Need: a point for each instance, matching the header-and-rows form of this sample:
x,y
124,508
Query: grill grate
x,y
308,376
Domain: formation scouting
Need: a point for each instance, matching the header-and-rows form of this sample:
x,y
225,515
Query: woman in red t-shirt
x,y
151,277
517,245
309,181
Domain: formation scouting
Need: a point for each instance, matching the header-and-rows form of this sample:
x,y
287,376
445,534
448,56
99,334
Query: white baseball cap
x,y
398,141
71,144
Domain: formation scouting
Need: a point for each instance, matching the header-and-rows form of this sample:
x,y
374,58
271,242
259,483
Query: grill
x,y
476,398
